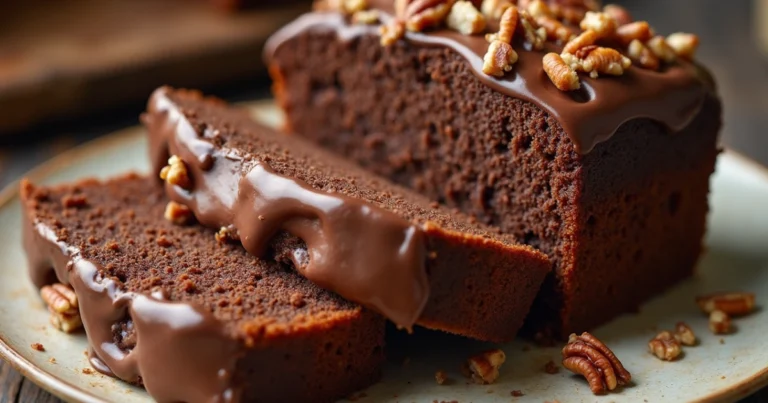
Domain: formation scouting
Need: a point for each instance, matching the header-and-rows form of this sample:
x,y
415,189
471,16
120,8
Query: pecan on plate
x,y
63,307
587,356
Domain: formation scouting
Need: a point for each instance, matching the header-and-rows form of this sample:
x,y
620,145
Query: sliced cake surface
x,y
350,231
191,319
609,179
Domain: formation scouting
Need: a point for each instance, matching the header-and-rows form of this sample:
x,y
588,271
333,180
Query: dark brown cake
x,y
352,232
610,180
191,319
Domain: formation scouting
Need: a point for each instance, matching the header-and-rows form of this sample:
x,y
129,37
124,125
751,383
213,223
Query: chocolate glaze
x,y
672,96
165,332
364,253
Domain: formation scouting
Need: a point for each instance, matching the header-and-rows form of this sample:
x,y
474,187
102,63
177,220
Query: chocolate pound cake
x,y
192,320
345,229
575,129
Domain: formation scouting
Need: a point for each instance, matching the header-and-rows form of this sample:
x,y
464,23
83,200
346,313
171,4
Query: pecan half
x,y
586,38
420,15
63,307
734,304
589,357
639,30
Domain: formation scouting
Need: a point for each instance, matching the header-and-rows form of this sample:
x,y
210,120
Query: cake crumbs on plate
x,y
551,368
517,393
88,371
442,378
37,347
52,360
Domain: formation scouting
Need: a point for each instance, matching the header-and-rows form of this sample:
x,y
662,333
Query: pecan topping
x,y
639,30
178,214
605,61
499,59
507,26
683,44
588,356
176,173
533,33
494,9
658,45
392,32
484,367
63,307
618,13
640,54
665,346
560,73
684,334
420,15
466,19
586,38
733,304
603,24
347,7
719,322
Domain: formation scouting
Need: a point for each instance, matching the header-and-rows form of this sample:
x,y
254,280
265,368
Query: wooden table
x,y
728,48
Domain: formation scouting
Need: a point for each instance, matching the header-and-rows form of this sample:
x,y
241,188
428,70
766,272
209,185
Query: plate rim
x,y
72,393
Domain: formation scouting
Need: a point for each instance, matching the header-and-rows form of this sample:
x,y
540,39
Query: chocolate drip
x,y
175,343
362,252
672,96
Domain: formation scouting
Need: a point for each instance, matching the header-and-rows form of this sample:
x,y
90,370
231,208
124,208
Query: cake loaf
x,y
345,229
192,320
577,130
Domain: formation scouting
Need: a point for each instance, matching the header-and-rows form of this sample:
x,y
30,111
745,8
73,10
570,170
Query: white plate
x,y
713,371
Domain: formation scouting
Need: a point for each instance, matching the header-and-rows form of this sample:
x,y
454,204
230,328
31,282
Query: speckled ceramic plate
x,y
718,369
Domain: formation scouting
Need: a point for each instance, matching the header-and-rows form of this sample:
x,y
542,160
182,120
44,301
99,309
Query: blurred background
x,y
73,70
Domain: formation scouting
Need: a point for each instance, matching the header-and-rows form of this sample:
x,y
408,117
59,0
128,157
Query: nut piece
x,y
603,24
63,307
560,73
684,45
658,45
175,173
719,322
499,59
555,29
366,17
605,61
484,367
420,15
507,26
227,234
684,334
588,356
538,8
392,32
734,304
586,38
466,19
618,13
639,30
643,56
494,9
178,213
533,33
665,347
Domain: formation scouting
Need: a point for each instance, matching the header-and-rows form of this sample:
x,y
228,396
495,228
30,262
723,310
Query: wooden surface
x,y
729,47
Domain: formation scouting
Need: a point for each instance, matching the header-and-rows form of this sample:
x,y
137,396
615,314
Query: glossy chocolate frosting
x,y
362,252
671,96
165,332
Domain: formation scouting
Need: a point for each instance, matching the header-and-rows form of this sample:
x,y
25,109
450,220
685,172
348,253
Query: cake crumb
x,y
164,242
517,393
722,341
52,360
442,378
87,371
74,201
722,377
297,300
551,368
37,347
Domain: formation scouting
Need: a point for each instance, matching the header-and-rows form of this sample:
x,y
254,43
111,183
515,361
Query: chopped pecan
x,y
178,213
586,38
499,59
603,24
605,61
175,173
644,57
618,13
561,74
639,30
684,334
719,322
683,44
555,29
588,356
733,304
538,8
494,9
658,45
484,367
366,17
534,34
665,346
392,32
63,307
507,26
420,15
466,19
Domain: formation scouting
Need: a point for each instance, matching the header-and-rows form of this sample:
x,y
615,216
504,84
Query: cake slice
x,y
608,176
349,231
192,320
